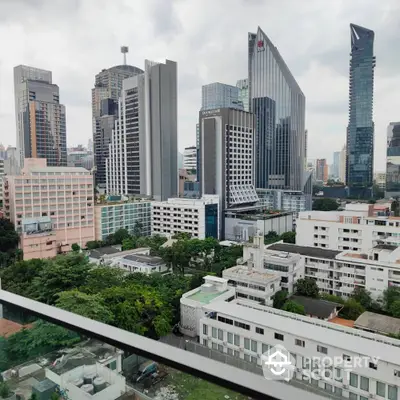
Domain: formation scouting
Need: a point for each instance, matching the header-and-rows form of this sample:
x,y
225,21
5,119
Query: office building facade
x,y
197,217
321,170
360,131
243,85
40,118
219,95
279,105
190,158
336,164
393,160
143,155
105,95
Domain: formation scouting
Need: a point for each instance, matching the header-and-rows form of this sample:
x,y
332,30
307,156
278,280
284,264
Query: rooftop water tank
x,y
99,384
88,388
78,382
89,377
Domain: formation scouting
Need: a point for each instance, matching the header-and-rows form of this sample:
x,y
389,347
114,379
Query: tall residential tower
x,y
40,118
393,160
143,152
360,131
279,105
105,95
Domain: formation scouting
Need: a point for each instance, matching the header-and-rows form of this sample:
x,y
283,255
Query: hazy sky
x,y
208,38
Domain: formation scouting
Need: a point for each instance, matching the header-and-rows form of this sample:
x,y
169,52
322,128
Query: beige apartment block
x,y
51,207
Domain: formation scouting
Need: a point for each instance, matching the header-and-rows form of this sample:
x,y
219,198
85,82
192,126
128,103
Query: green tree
x,y
395,207
307,287
62,273
54,396
288,237
101,278
395,309
34,396
182,236
88,305
75,247
332,298
94,244
352,309
137,229
390,295
280,298
9,238
129,243
325,204
120,235
294,307
362,296
271,237
5,391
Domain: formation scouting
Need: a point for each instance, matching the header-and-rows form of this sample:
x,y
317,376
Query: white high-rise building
x,y
143,154
190,158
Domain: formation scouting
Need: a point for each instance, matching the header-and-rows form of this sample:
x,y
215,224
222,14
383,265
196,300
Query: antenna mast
x,y
124,50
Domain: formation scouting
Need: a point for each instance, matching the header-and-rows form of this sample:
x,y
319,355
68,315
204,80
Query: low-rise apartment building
x,y
197,217
340,272
284,200
64,194
358,228
244,330
131,215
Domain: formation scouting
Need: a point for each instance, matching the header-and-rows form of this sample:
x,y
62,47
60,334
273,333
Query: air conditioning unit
x,y
224,343
298,369
345,386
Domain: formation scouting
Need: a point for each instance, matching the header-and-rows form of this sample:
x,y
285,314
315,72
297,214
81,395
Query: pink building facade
x,y
51,207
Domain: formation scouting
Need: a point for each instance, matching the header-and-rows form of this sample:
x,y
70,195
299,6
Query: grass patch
x,y
191,388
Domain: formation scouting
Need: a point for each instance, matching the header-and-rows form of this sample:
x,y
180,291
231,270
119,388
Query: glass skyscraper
x,y
360,131
243,85
219,95
279,105
393,160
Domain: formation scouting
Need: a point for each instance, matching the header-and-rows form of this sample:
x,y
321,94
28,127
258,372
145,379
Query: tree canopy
x,y
307,287
325,204
294,307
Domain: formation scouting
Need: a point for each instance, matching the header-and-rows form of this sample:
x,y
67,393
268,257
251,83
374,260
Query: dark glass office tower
x,y
360,132
279,105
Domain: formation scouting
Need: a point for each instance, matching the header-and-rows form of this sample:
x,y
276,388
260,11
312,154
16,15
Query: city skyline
x,y
202,64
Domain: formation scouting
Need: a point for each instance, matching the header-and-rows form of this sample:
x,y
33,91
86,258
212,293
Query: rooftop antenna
x,y
124,50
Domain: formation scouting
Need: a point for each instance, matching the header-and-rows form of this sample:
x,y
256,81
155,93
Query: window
x,y
205,329
338,391
397,373
254,346
241,325
299,342
328,387
264,348
230,337
230,352
246,357
205,343
346,357
353,396
364,383
353,380
259,330
380,389
373,365
214,346
214,332
236,340
220,348
322,349
392,392
363,398
247,343
278,336
338,375
220,334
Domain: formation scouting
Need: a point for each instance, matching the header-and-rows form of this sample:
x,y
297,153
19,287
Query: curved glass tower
x,y
279,104
360,132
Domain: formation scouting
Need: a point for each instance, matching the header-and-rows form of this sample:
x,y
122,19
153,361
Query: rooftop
x,y
205,297
390,247
60,170
305,250
348,339
144,259
8,327
344,322
378,323
102,251
315,307
242,272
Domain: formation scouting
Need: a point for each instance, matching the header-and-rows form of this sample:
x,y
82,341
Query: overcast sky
x,y
208,38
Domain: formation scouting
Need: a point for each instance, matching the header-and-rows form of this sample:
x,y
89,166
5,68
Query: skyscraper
x,y
143,153
40,118
243,85
393,160
105,95
360,131
336,164
219,95
321,170
279,105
